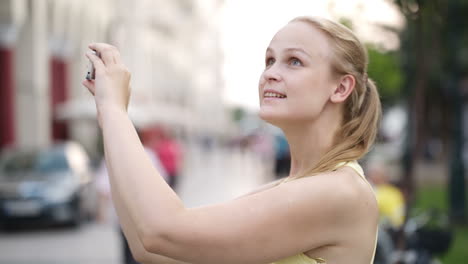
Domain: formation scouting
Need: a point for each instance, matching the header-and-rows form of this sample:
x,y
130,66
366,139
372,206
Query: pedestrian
x,y
169,152
282,156
391,204
315,88
106,207
390,198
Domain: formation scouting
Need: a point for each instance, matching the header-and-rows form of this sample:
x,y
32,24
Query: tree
x,y
431,48
385,71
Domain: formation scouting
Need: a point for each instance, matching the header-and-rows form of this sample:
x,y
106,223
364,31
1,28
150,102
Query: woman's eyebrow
x,y
300,50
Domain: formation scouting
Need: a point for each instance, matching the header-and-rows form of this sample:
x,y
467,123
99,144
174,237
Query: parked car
x,y
52,185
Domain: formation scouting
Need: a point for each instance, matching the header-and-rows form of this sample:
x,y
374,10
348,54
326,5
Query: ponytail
x,y
362,109
355,138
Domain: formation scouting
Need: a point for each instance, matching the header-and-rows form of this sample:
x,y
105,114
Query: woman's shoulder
x,y
354,193
340,202
343,189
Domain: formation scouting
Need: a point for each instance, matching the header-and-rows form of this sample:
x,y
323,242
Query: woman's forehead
x,y
301,35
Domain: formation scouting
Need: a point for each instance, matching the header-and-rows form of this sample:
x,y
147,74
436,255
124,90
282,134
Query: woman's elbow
x,y
157,236
138,252
140,257
153,240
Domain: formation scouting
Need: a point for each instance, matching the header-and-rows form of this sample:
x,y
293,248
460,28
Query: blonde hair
x,y
362,109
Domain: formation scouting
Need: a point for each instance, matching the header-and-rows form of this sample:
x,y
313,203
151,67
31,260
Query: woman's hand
x,y
111,87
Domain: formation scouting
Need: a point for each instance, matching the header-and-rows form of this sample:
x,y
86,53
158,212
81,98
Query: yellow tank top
x,y
302,258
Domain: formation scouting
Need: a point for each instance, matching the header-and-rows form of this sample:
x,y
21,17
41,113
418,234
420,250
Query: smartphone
x,y
91,71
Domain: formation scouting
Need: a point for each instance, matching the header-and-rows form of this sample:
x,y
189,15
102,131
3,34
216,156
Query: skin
x,y
331,215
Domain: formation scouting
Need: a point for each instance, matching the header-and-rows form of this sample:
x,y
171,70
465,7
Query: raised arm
x,y
259,228
138,251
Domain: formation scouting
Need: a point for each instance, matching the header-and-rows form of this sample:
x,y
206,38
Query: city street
x,y
90,244
208,177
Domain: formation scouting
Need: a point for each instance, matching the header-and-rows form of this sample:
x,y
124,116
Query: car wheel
x,y
76,218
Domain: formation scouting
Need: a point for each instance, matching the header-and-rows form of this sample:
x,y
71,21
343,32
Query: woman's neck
x,y
309,143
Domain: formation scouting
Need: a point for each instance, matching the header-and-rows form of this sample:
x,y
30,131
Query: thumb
x,y
90,85
128,97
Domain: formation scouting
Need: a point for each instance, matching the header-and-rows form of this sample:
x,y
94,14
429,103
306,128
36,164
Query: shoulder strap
x,y
356,167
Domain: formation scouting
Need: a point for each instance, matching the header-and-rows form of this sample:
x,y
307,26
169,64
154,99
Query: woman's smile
x,y
270,95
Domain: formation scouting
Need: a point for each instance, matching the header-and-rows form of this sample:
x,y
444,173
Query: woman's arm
x,y
258,228
137,249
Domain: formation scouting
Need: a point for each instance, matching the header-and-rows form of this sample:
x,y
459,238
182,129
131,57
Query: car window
x,y
52,161
18,163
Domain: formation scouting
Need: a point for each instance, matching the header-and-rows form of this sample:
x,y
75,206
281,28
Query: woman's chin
x,y
270,117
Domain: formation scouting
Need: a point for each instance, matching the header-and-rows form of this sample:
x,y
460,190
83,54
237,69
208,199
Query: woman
x,y
315,88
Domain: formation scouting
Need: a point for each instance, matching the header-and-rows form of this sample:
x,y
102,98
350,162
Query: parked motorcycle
x,y
426,235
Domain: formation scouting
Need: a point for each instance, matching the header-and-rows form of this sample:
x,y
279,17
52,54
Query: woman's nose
x,y
272,73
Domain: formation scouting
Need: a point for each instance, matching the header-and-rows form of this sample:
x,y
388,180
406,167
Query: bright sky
x,y
248,27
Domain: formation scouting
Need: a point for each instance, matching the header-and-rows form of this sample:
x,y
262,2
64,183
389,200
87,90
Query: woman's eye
x,y
269,61
295,62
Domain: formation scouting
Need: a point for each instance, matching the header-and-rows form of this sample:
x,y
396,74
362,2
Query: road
x,y
208,177
90,244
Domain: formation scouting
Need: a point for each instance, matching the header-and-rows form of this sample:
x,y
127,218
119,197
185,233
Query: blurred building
x,y
171,47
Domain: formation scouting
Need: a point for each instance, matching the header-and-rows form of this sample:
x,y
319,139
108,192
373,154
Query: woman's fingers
x,y
90,85
96,61
117,58
108,53
112,77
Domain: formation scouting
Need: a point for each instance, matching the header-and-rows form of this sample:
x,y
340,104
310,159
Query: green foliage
x,y
346,22
457,253
433,48
385,70
430,197
237,114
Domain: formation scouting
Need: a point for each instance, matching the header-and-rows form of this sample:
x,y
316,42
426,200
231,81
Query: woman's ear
x,y
344,89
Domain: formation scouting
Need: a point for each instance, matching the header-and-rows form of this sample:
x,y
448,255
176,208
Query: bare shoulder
x,y
352,186
343,186
348,196
350,207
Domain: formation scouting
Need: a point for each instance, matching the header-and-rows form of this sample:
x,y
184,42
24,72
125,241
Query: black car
x,y
52,185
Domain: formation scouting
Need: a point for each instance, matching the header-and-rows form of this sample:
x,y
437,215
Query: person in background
x,y
390,199
106,212
391,205
169,153
282,157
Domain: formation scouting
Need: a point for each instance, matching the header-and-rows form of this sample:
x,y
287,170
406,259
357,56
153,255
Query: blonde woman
x,y
315,88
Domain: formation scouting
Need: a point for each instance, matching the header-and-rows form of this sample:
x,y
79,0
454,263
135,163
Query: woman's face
x,y
297,82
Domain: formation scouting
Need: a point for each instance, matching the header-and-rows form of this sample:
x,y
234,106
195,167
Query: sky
x,y
248,26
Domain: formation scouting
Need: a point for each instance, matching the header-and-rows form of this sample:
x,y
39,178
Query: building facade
x,y
171,47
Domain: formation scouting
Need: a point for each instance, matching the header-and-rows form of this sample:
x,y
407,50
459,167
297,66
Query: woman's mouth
x,y
270,94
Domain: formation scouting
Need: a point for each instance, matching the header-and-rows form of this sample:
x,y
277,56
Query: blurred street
x,y
90,244
220,174
212,176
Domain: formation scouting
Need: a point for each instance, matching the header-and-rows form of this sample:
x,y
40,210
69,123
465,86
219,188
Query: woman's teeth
x,y
269,94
